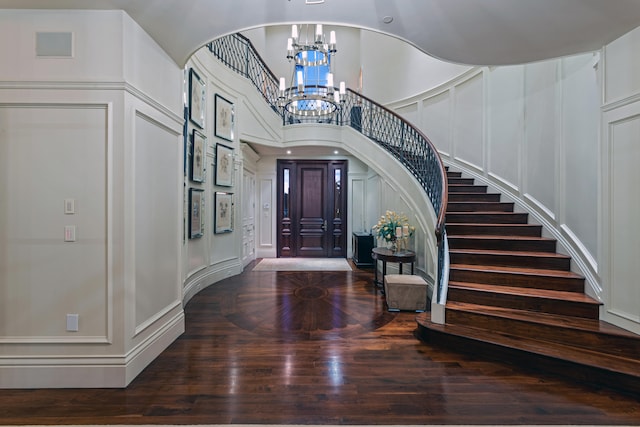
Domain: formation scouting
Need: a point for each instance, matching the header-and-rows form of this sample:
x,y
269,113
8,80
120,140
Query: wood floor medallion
x,y
307,305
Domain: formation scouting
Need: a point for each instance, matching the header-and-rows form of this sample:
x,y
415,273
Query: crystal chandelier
x,y
311,92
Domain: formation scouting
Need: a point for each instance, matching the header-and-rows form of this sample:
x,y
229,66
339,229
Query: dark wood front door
x,y
312,208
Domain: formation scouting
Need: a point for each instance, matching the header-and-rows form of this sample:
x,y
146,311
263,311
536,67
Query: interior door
x,y
312,208
248,217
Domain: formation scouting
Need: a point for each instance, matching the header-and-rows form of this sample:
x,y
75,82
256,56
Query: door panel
x,y
311,188
312,208
337,209
285,235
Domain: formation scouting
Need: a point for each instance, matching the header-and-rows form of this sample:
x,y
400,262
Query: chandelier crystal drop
x,y
311,91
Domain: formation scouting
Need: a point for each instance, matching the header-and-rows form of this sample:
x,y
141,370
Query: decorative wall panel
x,y
157,204
624,211
52,153
468,126
436,121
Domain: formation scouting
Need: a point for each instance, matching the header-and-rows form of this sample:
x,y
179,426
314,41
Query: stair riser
x,y
531,261
479,207
457,188
568,284
474,197
460,242
519,302
527,230
487,218
610,344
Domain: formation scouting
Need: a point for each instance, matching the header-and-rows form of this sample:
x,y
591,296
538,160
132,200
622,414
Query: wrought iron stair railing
x,y
384,127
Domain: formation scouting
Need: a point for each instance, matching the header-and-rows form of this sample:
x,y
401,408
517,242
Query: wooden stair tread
x,y
468,188
473,206
472,194
558,320
484,212
498,237
507,252
485,224
525,292
582,356
517,270
476,203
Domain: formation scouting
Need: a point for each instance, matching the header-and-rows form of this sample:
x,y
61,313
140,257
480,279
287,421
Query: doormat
x,y
302,264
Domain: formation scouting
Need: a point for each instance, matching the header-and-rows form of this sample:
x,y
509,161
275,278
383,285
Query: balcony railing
x,y
384,127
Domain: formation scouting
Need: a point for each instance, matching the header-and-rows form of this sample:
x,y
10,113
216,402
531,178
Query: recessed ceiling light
x,y
335,151
387,19
288,151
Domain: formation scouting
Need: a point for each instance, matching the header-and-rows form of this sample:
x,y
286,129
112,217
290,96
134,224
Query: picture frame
x,y
223,213
224,118
224,165
186,143
185,212
197,99
198,156
196,210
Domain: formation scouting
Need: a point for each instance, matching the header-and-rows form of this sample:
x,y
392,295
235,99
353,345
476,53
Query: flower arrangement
x,y
393,226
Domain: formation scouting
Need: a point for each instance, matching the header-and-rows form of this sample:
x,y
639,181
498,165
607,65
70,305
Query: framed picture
x,y
197,99
198,155
225,113
185,137
185,213
196,207
223,213
224,165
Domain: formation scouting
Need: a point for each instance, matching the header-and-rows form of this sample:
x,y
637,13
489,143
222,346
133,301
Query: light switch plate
x,y
69,206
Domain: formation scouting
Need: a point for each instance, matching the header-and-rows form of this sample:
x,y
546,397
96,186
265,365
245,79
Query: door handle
x,y
324,226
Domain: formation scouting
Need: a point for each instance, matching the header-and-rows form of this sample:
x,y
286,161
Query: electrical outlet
x,y
69,233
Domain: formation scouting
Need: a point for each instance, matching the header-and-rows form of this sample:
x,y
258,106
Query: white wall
x,y
505,134
91,29
539,183
394,70
533,132
98,129
619,197
467,123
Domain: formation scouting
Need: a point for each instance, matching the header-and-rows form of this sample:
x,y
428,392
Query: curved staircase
x,y
511,296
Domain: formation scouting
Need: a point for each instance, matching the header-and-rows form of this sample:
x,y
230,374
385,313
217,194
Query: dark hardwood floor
x,y
317,348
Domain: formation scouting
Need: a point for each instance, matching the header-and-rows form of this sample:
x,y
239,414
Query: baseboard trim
x,y
98,371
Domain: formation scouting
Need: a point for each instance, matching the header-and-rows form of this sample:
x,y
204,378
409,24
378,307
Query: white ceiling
x,y
475,32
